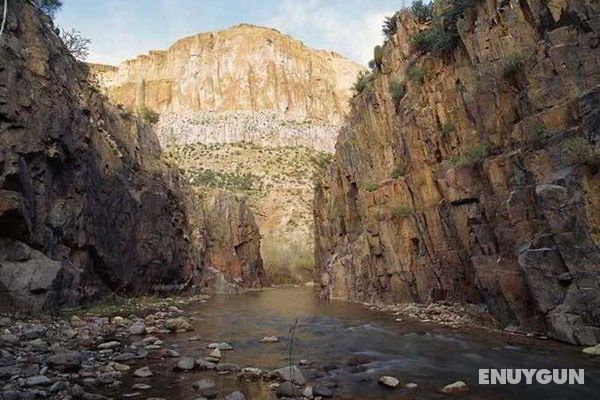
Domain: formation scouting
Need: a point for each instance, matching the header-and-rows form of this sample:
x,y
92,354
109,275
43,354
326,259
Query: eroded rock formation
x,y
242,68
87,205
467,187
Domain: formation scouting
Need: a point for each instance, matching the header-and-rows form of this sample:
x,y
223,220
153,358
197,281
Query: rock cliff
x,y
473,177
217,92
87,204
245,67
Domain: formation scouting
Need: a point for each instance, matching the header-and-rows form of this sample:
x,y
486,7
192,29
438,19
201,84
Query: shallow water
x,y
330,333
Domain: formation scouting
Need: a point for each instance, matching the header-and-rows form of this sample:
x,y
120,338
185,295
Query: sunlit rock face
x,y
246,84
465,188
242,68
87,204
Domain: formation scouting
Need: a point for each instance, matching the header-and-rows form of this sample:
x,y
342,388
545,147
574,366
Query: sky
x,y
123,29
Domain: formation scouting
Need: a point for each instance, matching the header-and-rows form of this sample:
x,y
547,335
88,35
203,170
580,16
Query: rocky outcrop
x,y
475,183
245,67
233,242
87,204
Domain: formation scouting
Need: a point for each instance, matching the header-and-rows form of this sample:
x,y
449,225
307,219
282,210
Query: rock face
x,y
465,188
86,203
233,240
242,68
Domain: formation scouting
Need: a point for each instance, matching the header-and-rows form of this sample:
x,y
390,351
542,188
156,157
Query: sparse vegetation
x,y
513,65
536,132
149,116
362,80
447,129
390,25
398,172
397,91
402,211
580,151
442,37
472,155
371,186
76,43
416,74
422,12
378,56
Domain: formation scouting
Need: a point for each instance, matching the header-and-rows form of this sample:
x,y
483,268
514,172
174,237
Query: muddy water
x,y
330,334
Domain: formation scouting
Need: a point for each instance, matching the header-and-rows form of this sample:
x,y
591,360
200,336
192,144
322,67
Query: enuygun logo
x,y
509,376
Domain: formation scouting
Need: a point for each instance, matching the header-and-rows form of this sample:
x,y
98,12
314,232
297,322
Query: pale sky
x,y
123,29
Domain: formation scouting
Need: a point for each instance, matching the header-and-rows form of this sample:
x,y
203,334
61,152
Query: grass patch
x,y
371,186
447,129
471,155
402,211
416,74
580,151
399,171
149,116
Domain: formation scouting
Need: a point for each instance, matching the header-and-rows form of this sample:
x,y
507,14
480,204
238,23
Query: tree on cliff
x,y
76,43
48,7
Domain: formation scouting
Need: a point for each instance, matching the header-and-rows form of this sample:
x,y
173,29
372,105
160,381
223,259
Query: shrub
x,y
402,211
378,56
372,65
580,151
472,155
390,25
397,91
447,129
423,12
512,67
371,187
362,80
149,116
76,43
398,172
536,132
442,37
416,74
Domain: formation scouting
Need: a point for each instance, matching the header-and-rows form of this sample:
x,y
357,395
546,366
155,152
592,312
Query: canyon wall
x,y
242,68
218,91
473,177
87,204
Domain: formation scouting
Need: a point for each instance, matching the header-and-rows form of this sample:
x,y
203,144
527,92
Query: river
x,y
333,335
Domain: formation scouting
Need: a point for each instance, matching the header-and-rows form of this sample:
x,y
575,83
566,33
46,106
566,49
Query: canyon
x,y
88,206
445,202
472,176
250,111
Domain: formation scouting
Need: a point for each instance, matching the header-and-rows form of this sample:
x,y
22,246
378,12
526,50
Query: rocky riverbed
x,y
237,347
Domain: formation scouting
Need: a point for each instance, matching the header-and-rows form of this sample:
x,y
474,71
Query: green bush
x,y
372,65
397,91
371,187
416,74
402,211
378,56
362,80
580,151
442,37
537,132
423,12
447,129
390,25
149,116
472,155
512,67
398,172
